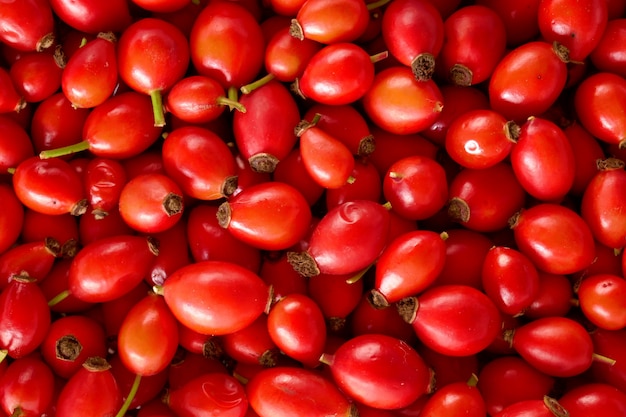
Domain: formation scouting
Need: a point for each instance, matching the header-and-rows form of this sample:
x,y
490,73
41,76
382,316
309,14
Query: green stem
x,y
358,276
131,396
473,380
58,298
65,150
379,56
157,289
3,354
233,93
377,4
157,108
327,359
11,171
232,105
248,88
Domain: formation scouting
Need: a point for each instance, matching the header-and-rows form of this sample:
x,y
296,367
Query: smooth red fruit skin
x,y
367,319
49,186
520,19
30,259
543,160
605,122
121,127
277,272
162,6
455,399
214,297
286,8
114,312
416,187
26,23
465,254
402,22
24,318
479,139
601,299
251,345
11,217
510,279
338,74
331,22
27,387
191,365
292,171
155,408
349,237
152,55
367,185
11,100
609,343
269,216
93,16
173,253
151,203
605,56
91,228
602,203
578,32
208,241
15,146
90,76
380,371
556,346
409,264
149,388
398,103
555,238
55,283
262,130
554,297
196,99
90,392
506,380
594,400
289,391
345,123
64,229
287,57
37,76
148,338
297,326
535,408
587,151
527,81
199,161
456,320
55,123
226,43
110,267
459,100
475,39
66,334
327,160
218,392
477,201
336,296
